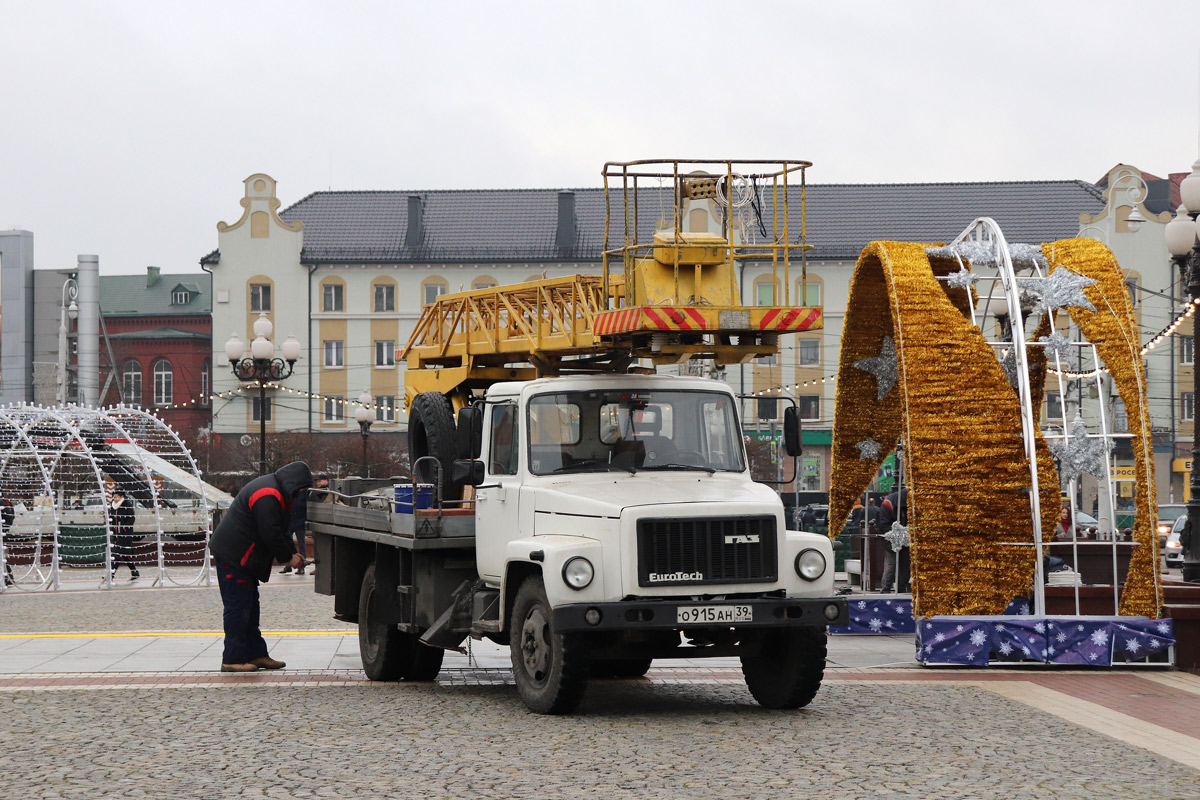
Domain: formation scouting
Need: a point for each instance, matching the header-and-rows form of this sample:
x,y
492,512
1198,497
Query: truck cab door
x,y
496,501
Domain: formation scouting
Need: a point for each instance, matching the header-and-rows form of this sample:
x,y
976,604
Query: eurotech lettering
x,y
656,577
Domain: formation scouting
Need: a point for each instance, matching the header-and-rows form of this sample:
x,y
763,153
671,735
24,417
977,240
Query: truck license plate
x,y
690,615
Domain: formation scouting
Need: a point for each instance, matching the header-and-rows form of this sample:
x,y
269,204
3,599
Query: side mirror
x,y
469,435
791,431
467,473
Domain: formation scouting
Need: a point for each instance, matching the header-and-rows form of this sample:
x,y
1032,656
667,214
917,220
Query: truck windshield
x,y
633,430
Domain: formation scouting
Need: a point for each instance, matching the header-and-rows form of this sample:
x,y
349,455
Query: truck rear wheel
x,y
788,671
431,432
550,668
387,653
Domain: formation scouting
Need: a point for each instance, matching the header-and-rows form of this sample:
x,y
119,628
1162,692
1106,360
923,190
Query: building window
x,y
163,380
764,293
385,408
333,408
256,410
331,297
205,368
1120,417
484,283
1054,409
768,407
432,290
1131,286
181,298
335,353
385,297
385,354
768,360
812,292
810,407
1187,407
808,352
131,382
260,297
1186,343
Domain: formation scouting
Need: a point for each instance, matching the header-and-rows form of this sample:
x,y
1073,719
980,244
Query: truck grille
x,y
689,550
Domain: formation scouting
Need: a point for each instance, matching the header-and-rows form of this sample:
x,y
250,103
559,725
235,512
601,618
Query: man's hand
x,y
297,561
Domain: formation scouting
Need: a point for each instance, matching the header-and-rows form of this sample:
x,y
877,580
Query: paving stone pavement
x,y
682,733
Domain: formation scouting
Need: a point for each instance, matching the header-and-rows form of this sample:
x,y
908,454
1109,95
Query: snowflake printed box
x,y
1090,641
879,614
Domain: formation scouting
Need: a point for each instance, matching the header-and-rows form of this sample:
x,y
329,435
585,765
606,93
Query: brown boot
x,y
239,668
266,662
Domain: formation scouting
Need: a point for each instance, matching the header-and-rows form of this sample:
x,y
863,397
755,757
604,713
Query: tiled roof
x,y
161,333
520,224
128,295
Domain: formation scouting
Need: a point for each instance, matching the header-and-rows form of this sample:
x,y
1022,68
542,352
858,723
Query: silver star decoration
x,y
1056,345
868,448
1008,363
1062,288
883,367
897,537
963,279
1081,455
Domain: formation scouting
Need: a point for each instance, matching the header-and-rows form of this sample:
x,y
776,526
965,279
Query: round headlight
x,y
810,565
578,572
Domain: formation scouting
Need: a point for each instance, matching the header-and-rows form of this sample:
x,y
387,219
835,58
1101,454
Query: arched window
x,y
163,383
484,282
131,381
432,289
205,369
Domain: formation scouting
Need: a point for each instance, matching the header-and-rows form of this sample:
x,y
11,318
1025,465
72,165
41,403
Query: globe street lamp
x,y
363,415
1183,242
262,366
70,291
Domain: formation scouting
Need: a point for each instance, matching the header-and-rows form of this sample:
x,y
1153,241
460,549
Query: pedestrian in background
x,y
894,509
808,520
255,530
121,517
7,516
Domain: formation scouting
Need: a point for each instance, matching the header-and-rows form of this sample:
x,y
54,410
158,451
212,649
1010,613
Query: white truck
x,y
591,514
615,522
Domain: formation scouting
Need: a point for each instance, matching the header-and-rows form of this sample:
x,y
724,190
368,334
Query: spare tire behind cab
x,y
431,432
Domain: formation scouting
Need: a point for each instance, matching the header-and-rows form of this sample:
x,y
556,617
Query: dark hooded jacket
x,y
254,531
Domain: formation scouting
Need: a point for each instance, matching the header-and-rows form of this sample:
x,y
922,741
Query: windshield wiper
x,y
590,465
709,470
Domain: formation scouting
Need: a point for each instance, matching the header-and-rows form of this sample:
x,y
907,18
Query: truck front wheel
x,y
789,668
550,668
387,654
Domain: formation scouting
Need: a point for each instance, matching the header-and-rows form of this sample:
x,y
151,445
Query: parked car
x,y
1173,549
1168,513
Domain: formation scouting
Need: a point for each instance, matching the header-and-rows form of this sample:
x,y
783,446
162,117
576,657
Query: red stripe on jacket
x,y
267,492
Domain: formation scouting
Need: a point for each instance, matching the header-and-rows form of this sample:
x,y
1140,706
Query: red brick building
x,y
159,330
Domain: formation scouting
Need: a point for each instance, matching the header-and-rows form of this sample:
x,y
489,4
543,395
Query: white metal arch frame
x,y
983,244
67,431
22,431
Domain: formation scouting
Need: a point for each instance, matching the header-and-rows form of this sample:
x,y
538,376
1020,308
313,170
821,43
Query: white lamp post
x,y
261,367
364,417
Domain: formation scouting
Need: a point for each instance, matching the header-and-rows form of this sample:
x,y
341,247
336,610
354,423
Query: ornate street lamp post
x,y
1183,242
363,415
262,366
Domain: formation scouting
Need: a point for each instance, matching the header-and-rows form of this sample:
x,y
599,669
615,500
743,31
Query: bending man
x,y
252,534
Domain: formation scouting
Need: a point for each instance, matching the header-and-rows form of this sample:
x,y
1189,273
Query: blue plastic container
x,y
404,497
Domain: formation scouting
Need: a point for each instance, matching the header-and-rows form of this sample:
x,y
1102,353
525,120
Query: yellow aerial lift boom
x,y
668,298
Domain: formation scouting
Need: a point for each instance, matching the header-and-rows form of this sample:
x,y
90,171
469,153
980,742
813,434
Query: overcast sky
x,y
126,128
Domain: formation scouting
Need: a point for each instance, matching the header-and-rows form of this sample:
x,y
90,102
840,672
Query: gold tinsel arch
x,y
966,467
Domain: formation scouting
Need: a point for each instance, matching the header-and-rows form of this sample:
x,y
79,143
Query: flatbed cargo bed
x,y
427,529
